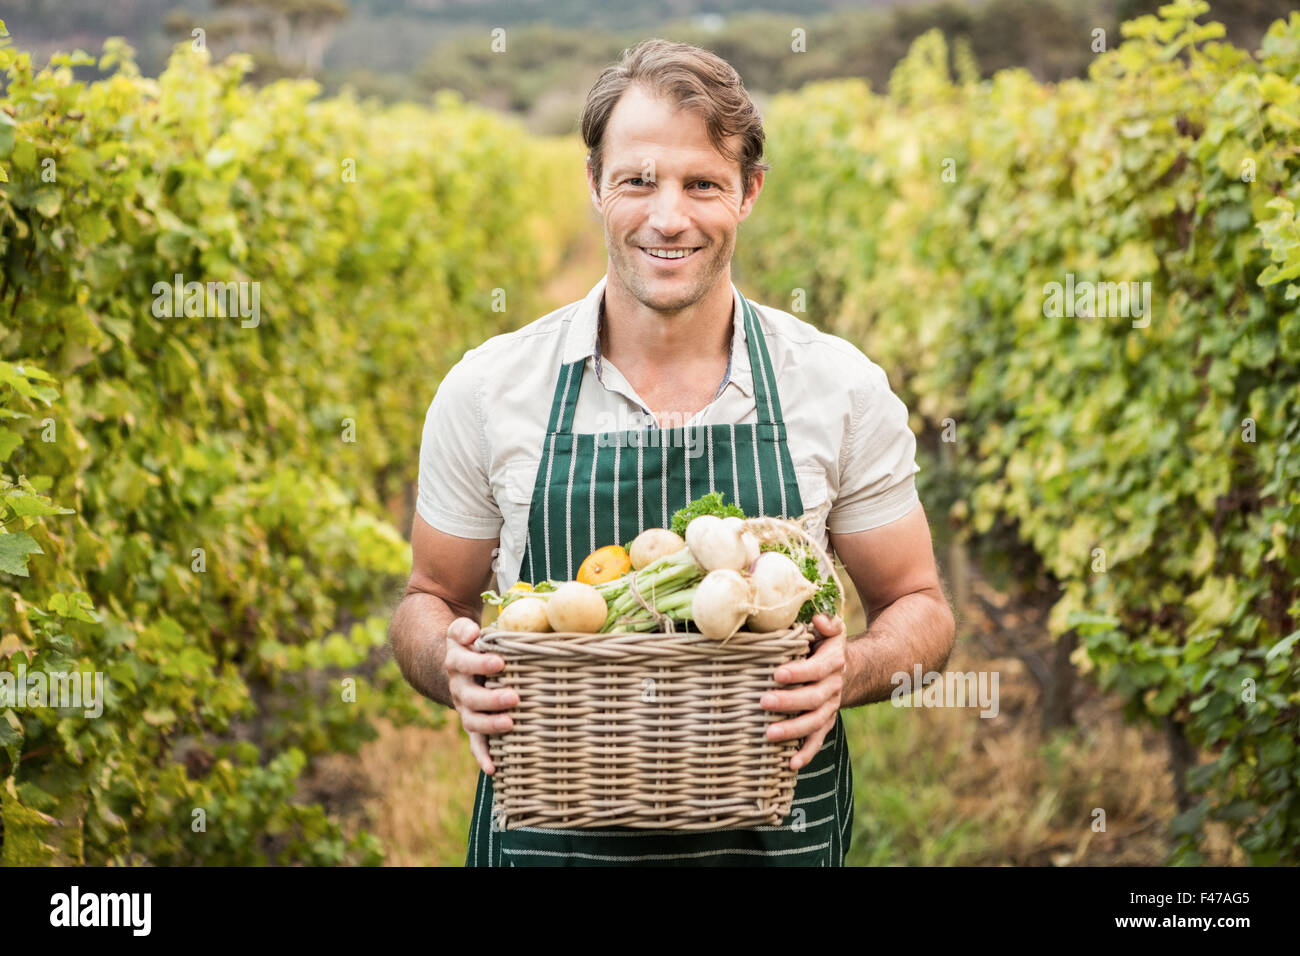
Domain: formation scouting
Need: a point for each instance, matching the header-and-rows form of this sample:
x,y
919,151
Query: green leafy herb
x,y
710,504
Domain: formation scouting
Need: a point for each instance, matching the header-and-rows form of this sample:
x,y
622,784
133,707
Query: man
x,y
532,454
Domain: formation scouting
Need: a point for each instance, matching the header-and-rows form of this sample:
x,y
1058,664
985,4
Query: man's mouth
x,y
669,253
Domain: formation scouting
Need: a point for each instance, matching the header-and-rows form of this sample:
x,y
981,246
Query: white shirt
x,y
846,430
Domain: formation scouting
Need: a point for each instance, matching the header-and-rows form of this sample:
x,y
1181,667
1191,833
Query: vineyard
x,y
224,310
203,506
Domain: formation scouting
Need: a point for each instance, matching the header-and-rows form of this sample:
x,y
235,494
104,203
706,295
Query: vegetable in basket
x,y
728,571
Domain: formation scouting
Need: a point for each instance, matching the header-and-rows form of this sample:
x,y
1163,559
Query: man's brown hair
x,y
693,79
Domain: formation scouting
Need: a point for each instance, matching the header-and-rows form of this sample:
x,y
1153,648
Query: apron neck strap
x,y
566,397
766,400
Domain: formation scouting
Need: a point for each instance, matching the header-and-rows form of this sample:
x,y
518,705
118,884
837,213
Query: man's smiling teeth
x,y
670,253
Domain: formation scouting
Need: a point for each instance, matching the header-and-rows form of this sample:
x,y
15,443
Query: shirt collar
x,y
580,342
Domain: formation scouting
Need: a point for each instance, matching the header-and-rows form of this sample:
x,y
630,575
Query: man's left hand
x,y
818,701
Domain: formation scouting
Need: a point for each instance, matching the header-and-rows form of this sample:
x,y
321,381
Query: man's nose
x,y
667,209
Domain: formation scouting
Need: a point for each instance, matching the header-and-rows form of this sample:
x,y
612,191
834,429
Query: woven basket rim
x,y
633,637
581,648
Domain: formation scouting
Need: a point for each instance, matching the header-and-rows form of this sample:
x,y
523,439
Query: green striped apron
x,y
598,489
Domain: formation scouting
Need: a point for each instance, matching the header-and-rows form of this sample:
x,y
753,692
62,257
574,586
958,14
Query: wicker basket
x,y
662,731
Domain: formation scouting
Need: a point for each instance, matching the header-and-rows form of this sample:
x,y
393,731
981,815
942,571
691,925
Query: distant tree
x,y
284,36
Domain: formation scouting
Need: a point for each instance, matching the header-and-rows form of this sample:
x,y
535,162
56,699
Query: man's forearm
x,y
915,629
419,635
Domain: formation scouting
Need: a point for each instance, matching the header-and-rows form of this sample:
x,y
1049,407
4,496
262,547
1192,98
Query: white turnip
x,y
721,603
779,591
715,544
752,547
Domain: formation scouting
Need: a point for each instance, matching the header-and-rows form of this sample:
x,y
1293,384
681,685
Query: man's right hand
x,y
479,708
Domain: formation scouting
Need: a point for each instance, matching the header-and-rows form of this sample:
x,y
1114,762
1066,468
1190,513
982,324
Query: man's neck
x,y
634,336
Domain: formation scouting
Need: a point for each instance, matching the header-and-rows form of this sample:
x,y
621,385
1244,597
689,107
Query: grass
x,y
412,787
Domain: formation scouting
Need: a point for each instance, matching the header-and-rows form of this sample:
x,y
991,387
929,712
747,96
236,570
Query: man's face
x,y
665,188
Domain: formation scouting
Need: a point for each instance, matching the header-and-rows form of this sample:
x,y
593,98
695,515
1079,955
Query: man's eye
x,y
635,181
705,182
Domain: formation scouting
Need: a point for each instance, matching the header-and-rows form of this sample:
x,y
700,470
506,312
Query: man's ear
x,y
751,196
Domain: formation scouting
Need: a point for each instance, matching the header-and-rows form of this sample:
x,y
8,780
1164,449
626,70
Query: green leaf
x,y
78,606
49,202
1185,824
14,549
11,734
1282,646
28,504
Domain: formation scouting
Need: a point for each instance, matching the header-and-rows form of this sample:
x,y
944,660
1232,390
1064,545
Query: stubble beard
x,y
628,262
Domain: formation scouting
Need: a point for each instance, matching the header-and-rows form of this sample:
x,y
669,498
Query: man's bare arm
x,y
447,576
909,620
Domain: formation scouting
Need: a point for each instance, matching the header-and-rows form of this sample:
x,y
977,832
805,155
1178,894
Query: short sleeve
x,y
878,461
455,494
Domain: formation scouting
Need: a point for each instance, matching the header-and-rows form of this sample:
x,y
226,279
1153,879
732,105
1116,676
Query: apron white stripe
x,y
735,475
687,437
546,494
564,400
815,773
473,831
546,506
663,478
846,812
814,798
768,379
640,480
568,516
758,474
780,478
595,457
618,536
769,376
848,764
708,438
837,848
